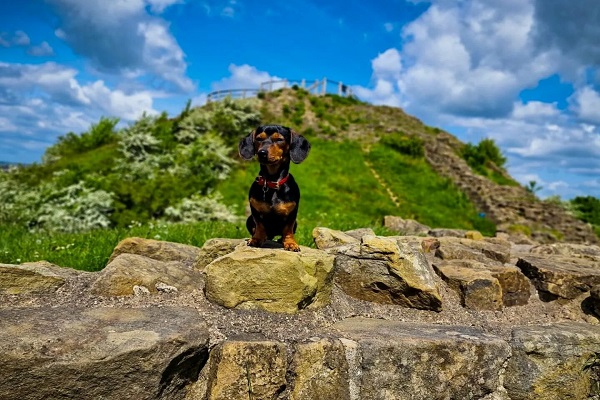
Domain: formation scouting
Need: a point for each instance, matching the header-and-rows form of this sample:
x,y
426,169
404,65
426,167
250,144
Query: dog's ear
x,y
246,147
299,149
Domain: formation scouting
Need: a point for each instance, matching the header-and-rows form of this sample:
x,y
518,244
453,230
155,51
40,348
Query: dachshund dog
x,y
274,196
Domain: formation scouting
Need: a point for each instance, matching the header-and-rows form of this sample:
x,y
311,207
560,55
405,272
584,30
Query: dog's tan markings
x,y
285,208
260,206
259,236
287,237
261,136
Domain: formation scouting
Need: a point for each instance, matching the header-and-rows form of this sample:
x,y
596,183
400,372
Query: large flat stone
x,y
559,276
397,360
158,250
388,271
553,362
485,286
33,278
479,250
100,353
127,271
270,279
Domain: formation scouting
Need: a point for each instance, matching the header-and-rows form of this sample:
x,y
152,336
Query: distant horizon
x,y
524,73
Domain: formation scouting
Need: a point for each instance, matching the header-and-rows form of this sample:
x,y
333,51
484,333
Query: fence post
x,y
324,91
303,83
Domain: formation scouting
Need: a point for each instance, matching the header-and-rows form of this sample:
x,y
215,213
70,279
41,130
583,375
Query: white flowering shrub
x,y
200,208
75,208
17,201
137,141
195,123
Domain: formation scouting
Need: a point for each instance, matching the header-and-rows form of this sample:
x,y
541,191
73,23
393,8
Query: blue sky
x,y
523,72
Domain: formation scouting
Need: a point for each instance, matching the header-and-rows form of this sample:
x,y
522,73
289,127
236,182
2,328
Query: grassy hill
x,y
181,179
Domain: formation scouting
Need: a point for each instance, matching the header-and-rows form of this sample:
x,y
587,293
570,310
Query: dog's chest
x,y
272,204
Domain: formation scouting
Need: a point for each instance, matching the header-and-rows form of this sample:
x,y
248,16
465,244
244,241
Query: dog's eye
x,y
278,139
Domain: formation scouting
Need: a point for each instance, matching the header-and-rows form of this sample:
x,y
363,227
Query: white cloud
x,y
586,103
158,6
133,41
534,110
42,50
244,77
47,100
19,38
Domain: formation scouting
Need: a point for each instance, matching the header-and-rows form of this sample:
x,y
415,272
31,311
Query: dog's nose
x,y
262,153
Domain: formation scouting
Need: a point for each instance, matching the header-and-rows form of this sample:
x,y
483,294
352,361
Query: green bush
x,y
587,209
99,134
408,145
486,151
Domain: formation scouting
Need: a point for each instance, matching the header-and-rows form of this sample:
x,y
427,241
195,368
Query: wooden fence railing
x,y
317,87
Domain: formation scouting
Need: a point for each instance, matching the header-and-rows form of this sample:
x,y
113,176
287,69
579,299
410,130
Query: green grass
x,y
424,195
90,251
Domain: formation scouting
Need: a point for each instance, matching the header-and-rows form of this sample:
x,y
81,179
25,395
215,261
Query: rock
x,y
326,238
479,250
473,235
129,270
245,370
477,288
443,232
397,360
360,232
270,279
100,353
584,251
557,276
486,286
215,248
157,250
385,270
549,362
33,278
405,226
320,371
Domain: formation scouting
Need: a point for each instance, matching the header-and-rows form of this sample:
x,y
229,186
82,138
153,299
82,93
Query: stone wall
x,y
360,317
506,205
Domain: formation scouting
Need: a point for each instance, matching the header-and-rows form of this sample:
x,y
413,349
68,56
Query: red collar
x,y
271,184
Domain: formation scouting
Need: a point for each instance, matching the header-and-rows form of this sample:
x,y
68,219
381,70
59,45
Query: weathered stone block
x,y
129,270
559,276
320,371
549,362
385,270
486,286
477,288
396,360
326,238
479,250
215,248
33,278
100,353
246,370
157,249
405,226
270,279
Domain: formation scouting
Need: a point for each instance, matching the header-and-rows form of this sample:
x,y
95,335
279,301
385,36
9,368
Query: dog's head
x,y
274,144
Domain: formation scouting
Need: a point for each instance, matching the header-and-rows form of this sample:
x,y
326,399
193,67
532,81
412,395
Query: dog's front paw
x,y
255,242
291,246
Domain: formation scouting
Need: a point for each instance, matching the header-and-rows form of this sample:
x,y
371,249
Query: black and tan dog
x,y
274,195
